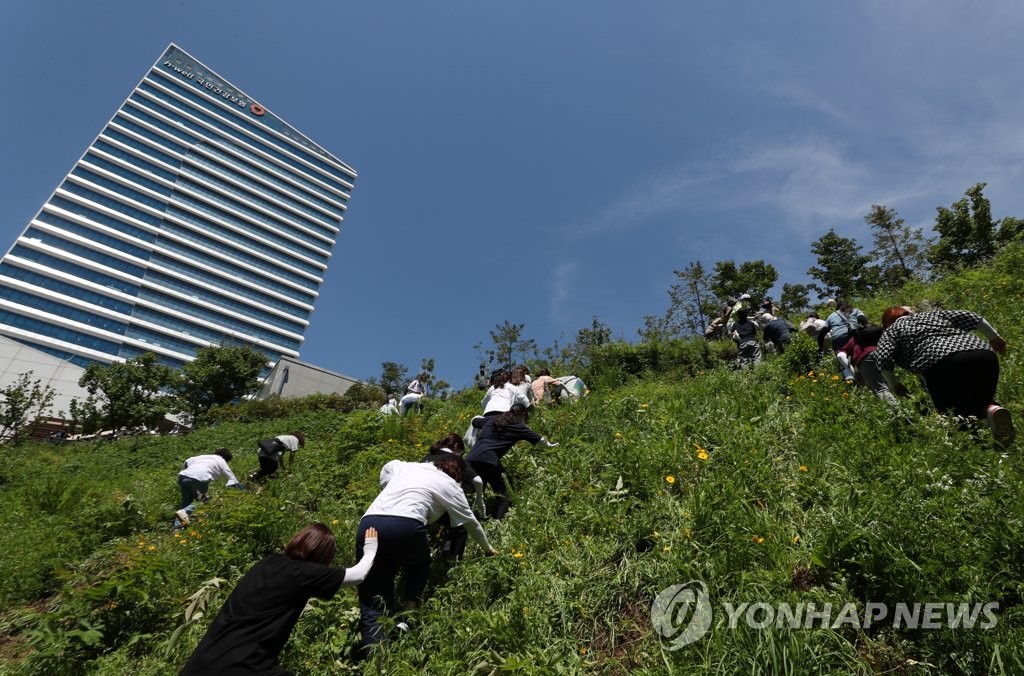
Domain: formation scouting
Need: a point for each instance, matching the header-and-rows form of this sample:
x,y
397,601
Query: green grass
x,y
769,485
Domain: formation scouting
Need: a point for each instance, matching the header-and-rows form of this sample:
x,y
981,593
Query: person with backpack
x,y
413,495
194,481
841,324
271,453
253,625
497,435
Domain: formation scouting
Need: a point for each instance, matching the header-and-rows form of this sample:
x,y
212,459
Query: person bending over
x,y
271,453
255,622
413,496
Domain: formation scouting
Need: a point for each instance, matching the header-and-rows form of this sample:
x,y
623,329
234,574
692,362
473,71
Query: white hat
x,y
745,296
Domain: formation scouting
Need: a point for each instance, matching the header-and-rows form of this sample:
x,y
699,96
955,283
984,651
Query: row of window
x,y
248,322
109,221
242,255
66,311
66,289
204,124
90,234
138,214
329,173
167,135
84,252
88,175
79,271
226,285
318,254
256,190
42,328
63,355
257,216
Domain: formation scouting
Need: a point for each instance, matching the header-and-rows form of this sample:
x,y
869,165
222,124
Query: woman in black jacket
x,y
498,434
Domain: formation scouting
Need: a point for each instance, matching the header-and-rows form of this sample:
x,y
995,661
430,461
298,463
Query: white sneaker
x,y
182,517
1001,422
402,627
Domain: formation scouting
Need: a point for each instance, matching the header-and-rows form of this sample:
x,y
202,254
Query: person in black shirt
x,y
498,434
254,623
776,330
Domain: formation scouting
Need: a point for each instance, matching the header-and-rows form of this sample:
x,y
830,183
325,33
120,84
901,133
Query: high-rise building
x,y
197,217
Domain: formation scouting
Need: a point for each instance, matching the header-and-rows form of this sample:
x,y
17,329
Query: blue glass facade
x,y
197,217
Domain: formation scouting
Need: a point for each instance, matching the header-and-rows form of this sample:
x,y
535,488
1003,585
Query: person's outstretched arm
x,y
357,573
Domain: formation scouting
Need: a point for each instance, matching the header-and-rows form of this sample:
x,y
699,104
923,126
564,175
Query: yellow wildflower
x,y
618,435
803,468
835,377
643,405
666,548
757,539
518,555
152,548
334,522
671,479
796,539
702,454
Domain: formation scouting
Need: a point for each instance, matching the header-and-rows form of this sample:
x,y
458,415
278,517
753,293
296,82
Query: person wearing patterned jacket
x,y
959,369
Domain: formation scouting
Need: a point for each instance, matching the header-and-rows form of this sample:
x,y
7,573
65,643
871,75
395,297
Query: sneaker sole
x,y
182,517
1002,426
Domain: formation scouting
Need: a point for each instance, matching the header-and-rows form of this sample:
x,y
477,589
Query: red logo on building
x,y
256,109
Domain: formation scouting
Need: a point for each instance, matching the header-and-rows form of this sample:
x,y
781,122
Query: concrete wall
x,y
62,376
293,378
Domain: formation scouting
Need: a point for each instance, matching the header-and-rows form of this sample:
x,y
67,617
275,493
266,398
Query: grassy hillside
x,y
774,485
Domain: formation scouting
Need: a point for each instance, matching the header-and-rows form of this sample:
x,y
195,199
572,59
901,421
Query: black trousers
x,y
268,466
964,382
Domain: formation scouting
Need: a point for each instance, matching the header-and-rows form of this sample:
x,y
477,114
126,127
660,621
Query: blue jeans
x,y
191,490
837,344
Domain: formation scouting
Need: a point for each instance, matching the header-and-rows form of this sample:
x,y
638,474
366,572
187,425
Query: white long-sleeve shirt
x,y
208,468
419,490
503,398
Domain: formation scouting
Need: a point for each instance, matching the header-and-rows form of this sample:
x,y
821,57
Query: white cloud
x,y
562,287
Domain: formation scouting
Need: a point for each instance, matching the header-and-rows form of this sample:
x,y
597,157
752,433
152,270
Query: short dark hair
x,y
301,437
452,465
224,453
314,543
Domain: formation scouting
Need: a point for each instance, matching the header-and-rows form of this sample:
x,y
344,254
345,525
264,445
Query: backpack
x,y
271,448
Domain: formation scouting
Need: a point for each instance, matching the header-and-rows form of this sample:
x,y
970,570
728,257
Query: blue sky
x,y
546,162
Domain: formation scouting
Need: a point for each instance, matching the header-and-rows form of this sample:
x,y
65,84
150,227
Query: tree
x,y
587,338
900,252
508,345
133,392
966,232
438,388
691,301
218,375
842,269
753,277
23,400
392,377
795,298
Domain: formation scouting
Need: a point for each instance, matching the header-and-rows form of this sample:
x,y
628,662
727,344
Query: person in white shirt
x,y
413,495
195,477
502,395
390,408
